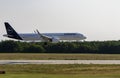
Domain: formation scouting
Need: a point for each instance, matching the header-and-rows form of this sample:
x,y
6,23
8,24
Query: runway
x,y
59,61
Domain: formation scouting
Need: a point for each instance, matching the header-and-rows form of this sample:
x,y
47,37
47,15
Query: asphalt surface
x,y
59,61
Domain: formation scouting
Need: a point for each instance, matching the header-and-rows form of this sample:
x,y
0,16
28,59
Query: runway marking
x,y
59,61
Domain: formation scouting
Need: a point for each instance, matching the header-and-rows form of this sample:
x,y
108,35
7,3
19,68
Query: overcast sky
x,y
96,19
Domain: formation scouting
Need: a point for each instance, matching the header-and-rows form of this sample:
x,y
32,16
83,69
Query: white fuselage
x,y
59,36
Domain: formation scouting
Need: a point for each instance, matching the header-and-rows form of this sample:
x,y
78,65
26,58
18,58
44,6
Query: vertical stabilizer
x,y
11,33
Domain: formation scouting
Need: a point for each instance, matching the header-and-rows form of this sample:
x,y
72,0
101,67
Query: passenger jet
x,y
43,37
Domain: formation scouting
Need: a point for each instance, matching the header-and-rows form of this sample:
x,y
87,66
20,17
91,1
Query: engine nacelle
x,y
55,40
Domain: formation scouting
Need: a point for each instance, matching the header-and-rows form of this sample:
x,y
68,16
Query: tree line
x,y
101,47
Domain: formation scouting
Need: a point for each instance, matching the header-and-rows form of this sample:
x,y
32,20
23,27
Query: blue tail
x,y
11,33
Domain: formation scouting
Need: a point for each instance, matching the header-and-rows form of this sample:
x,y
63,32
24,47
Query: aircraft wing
x,y
46,38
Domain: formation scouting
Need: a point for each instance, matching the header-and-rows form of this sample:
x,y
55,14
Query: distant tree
x,y
34,49
109,47
9,46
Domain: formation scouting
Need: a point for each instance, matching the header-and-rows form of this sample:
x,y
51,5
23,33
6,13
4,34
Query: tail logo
x,y
9,30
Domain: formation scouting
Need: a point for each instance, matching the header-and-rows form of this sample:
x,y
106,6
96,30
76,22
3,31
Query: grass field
x,y
38,56
60,71
59,76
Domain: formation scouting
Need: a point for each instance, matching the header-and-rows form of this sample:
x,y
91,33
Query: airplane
x,y
42,37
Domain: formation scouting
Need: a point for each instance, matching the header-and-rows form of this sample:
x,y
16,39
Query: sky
x,y
98,20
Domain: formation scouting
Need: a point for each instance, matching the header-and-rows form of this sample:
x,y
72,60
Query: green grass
x,y
60,71
38,56
58,76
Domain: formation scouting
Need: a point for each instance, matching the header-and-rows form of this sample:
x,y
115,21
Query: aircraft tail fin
x,y
11,32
